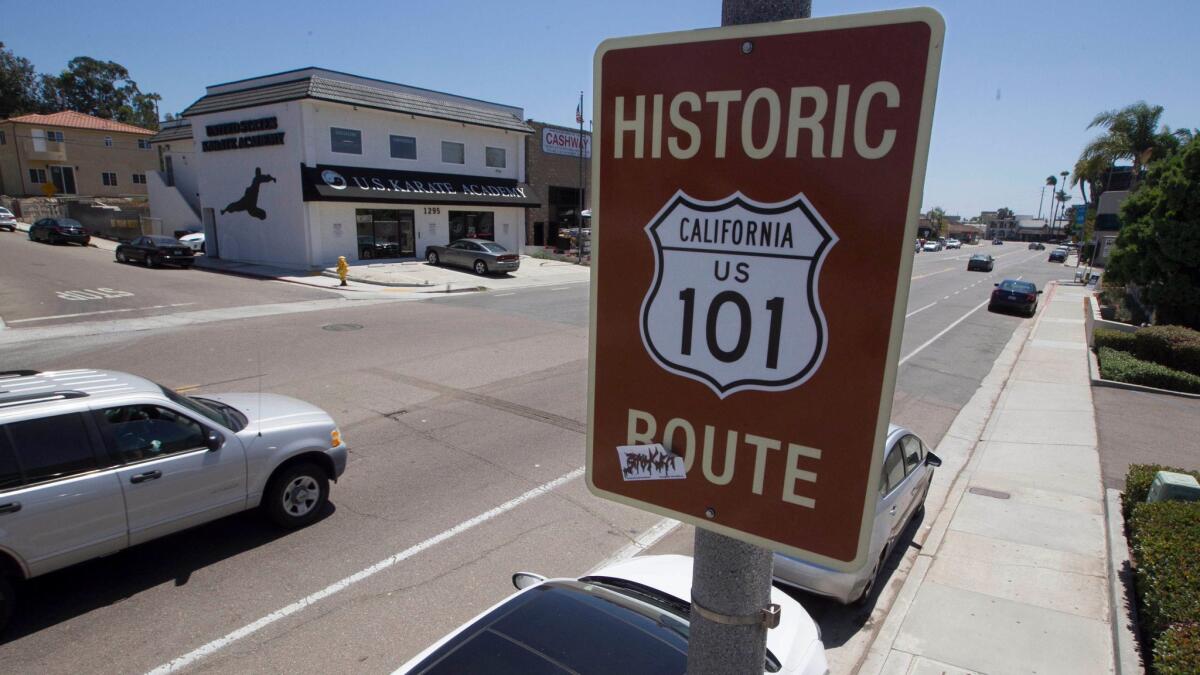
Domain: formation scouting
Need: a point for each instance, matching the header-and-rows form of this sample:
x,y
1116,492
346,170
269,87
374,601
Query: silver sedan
x,y
907,472
480,255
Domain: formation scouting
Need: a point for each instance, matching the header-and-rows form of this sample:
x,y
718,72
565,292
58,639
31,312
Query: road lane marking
x,y
501,295
946,298
102,311
920,310
647,539
945,330
922,276
249,629
561,288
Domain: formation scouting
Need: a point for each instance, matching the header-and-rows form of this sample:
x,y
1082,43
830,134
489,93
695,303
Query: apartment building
x,y
72,154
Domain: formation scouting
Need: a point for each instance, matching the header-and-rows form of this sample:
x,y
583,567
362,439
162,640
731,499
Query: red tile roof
x,y
78,120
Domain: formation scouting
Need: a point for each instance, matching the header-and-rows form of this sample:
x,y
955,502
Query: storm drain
x,y
984,492
339,327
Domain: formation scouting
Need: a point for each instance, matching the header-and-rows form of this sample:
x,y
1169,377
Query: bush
x,y
1165,543
1172,346
1177,651
1113,339
1138,480
1124,367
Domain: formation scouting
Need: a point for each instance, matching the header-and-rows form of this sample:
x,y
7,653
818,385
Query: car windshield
x,y
69,222
1017,286
493,248
215,411
5,212
979,256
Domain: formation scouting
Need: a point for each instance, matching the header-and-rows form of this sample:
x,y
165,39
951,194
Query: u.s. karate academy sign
x,y
235,141
325,182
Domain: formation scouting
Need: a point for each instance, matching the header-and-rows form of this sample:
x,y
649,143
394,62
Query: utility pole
x,y
731,580
579,211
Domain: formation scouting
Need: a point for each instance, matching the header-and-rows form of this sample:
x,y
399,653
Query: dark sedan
x,y
982,262
155,251
1058,255
1037,246
1011,294
997,242
480,255
59,231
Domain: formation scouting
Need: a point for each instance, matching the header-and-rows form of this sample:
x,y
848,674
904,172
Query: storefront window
x,y
495,158
385,233
404,147
472,225
348,141
453,153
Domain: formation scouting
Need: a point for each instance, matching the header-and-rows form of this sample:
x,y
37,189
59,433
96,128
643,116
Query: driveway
x,y
1144,428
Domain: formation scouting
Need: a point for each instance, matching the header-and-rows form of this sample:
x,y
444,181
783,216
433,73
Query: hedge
x,y
1113,339
1177,651
1138,481
1124,367
1172,346
1165,543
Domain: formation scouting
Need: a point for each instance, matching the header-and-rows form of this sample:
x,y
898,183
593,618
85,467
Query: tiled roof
x,y
350,93
173,133
78,120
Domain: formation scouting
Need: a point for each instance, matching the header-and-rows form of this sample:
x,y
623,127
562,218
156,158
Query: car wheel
x,y
866,592
432,257
297,495
151,260
480,267
121,258
7,601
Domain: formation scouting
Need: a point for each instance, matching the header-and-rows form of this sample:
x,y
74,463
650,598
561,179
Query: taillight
x,y
507,258
1030,297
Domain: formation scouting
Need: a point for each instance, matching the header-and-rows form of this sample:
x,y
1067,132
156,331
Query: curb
x,y
1098,381
1120,577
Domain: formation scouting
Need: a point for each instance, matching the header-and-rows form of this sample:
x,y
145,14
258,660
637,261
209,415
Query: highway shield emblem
x,y
734,302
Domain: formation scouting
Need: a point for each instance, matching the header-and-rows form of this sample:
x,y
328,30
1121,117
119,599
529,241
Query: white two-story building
x,y
301,167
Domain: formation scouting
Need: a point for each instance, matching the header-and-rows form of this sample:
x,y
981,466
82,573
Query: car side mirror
x,y
996,285
523,580
1039,292
933,460
214,441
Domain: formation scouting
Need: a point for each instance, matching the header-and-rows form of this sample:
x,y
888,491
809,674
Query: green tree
x,y
1131,133
1158,247
103,89
937,218
19,92
1089,174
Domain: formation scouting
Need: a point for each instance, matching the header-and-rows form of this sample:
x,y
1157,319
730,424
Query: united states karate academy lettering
x,y
242,127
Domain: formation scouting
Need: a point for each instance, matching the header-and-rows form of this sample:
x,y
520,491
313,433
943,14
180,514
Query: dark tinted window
x,y
404,147
893,469
52,447
1017,286
348,141
143,432
494,248
561,628
10,472
912,453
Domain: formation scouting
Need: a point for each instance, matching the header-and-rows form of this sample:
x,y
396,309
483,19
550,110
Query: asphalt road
x,y
465,415
45,285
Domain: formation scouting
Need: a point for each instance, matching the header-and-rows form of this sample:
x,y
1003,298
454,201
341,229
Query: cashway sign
x,y
758,189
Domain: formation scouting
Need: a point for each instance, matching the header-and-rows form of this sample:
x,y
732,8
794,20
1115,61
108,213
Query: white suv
x,y
95,461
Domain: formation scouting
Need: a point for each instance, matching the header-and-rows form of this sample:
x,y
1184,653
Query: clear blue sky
x,y
1020,79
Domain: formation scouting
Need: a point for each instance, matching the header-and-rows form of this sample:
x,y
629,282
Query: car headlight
x,y
335,438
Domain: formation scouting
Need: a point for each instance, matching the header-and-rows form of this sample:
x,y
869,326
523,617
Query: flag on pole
x,y
579,112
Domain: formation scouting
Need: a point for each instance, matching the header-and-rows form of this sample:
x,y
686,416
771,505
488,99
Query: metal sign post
x,y
757,193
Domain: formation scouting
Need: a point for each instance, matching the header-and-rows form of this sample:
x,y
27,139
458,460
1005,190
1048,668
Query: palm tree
x,y
937,218
1089,173
1131,133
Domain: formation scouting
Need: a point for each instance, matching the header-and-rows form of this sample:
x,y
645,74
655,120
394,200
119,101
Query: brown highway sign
x,y
757,195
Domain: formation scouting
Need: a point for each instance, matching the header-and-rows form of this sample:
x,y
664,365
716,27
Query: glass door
x,y
63,178
408,235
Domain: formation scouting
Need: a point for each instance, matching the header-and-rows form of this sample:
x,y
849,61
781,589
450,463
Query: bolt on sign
x,y
758,189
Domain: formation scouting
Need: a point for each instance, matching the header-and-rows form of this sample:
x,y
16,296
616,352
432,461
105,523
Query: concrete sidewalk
x,y
1013,576
420,274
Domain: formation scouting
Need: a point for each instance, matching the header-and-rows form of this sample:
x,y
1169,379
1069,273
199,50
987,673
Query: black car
x,y
982,262
1012,294
156,250
1058,255
59,231
1037,246
997,242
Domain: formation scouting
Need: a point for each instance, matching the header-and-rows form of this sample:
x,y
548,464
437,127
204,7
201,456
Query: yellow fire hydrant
x,y
343,269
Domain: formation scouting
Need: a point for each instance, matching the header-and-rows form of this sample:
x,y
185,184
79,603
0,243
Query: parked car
x,y
194,241
1058,255
997,242
59,231
1013,294
629,618
93,461
917,246
7,220
932,245
480,255
1037,246
953,243
907,473
153,250
982,262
